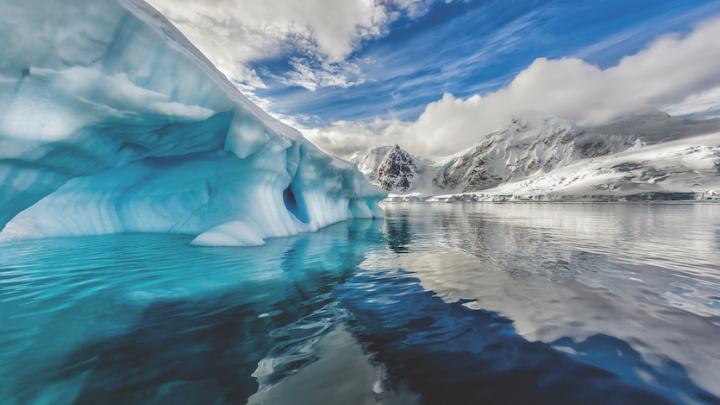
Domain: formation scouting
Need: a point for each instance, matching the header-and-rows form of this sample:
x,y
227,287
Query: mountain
x,y
390,167
397,170
541,157
111,121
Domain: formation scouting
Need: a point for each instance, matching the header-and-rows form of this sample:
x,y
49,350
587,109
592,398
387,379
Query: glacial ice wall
x,y
111,121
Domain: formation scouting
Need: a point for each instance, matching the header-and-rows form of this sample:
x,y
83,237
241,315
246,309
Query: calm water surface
x,y
441,303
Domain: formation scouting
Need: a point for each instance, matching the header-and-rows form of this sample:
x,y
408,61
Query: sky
x,y
437,75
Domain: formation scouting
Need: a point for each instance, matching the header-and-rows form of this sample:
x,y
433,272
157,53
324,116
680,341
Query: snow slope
x,y
541,157
684,169
111,121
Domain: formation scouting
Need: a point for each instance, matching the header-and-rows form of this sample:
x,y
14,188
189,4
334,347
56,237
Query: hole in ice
x,y
295,206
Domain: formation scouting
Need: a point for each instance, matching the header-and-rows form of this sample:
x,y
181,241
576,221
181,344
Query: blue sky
x,y
473,47
438,75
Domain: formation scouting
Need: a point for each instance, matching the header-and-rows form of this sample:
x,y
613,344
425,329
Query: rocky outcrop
x,y
397,171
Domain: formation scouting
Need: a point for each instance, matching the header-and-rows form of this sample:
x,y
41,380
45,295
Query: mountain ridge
x,y
516,162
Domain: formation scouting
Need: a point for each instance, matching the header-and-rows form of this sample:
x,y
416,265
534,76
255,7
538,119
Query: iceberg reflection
x,y
434,304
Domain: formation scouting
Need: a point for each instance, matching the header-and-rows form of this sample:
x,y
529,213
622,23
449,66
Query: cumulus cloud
x,y
234,33
671,69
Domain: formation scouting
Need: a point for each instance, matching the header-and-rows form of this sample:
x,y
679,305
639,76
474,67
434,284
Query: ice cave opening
x,y
295,205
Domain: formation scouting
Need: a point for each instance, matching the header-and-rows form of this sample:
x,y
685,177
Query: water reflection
x,y
449,353
443,303
645,274
398,232
191,330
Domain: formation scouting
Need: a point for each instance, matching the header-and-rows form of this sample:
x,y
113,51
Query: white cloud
x,y
343,138
234,33
668,71
700,103
312,74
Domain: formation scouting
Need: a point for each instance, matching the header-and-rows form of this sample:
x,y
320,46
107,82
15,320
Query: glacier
x,y
112,121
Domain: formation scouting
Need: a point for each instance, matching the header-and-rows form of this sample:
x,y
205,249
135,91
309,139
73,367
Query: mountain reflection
x,y
433,304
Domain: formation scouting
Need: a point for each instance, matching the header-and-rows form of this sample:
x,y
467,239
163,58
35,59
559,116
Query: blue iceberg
x,y
112,121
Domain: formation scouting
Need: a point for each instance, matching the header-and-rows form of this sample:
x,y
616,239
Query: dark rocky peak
x,y
397,170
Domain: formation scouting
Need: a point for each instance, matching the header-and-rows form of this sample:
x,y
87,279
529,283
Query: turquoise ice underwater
x,y
435,303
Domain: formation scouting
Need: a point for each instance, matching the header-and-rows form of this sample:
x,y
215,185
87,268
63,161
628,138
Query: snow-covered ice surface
x,y
111,121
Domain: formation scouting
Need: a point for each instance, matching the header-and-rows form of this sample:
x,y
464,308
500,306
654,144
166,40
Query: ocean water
x,y
436,303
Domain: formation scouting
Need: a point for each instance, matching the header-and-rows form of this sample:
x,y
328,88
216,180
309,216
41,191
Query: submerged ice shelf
x,y
111,121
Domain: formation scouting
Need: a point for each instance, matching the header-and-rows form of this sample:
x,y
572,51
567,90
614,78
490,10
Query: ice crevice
x,y
111,121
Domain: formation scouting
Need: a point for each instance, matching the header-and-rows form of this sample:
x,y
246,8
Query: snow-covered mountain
x,y
111,121
541,157
682,169
397,170
390,167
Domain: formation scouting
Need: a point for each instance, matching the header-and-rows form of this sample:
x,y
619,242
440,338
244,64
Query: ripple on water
x,y
441,302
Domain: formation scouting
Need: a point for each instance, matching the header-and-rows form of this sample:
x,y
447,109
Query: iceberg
x,y
112,121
